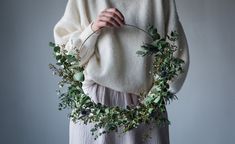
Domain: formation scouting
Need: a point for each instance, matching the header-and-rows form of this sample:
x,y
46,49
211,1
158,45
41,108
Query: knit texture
x,y
109,55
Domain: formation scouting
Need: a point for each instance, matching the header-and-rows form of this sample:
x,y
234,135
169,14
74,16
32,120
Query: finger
x,y
105,23
114,16
117,12
110,20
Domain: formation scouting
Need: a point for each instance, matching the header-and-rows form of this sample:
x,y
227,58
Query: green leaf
x,y
107,110
174,34
128,107
62,60
59,64
75,65
98,111
79,76
150,110
57,49
51,44
141,53
157,36
157,99
58,57
70,58
149,28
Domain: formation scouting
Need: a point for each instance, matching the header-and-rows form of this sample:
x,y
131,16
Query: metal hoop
x,y
124,25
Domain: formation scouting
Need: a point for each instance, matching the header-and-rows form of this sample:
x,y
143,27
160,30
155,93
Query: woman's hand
x,y
109,17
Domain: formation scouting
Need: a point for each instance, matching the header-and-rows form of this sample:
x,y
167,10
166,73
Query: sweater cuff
x,y
87,49
88,31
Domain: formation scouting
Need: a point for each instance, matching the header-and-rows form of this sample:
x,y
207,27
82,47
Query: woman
x,y
114,74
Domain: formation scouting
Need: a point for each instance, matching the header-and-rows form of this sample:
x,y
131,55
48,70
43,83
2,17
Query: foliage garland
x,y
152,104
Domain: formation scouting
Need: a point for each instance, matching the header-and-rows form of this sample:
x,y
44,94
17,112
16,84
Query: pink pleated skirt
x,y
79,133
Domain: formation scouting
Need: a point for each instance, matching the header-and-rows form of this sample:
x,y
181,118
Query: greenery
x,y
152,105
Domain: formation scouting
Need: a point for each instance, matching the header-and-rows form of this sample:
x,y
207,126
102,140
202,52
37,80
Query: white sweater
x,y
110,54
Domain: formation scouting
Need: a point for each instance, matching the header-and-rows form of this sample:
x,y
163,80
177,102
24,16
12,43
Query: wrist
x,y
93,28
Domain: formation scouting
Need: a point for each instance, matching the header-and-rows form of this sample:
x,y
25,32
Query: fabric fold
x,y
173,23
71,31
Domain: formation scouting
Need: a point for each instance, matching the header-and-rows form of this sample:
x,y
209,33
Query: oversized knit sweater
x,y
109,55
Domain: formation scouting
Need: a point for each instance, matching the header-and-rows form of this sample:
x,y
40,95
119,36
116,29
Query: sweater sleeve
x,y
72,30
173,23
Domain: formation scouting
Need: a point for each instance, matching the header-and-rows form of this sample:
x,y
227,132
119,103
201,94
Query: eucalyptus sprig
x,y
113,118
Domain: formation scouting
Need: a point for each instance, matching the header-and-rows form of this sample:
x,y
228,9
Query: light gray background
x,y
204,113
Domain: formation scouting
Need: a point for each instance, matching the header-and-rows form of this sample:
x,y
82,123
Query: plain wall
x,y
204,113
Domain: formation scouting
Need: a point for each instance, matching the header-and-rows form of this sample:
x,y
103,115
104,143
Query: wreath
x,y
110,118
